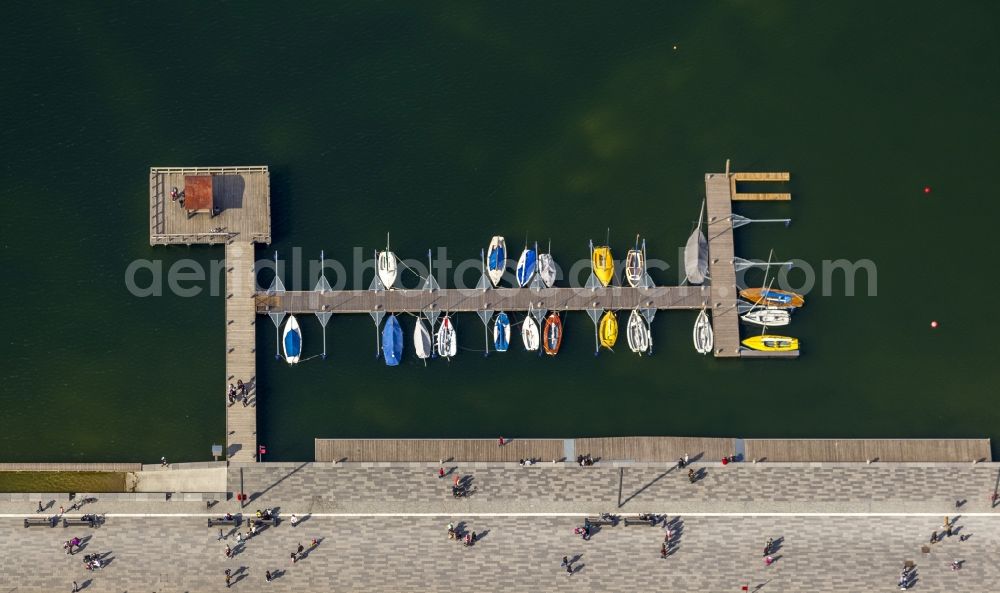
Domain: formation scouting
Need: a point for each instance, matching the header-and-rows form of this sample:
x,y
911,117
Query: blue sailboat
x,y
392,341
501,332
497,259
292,340
526,267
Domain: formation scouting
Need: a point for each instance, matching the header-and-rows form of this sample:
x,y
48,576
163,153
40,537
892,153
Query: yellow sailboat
x,y
769,343
608,330
604,264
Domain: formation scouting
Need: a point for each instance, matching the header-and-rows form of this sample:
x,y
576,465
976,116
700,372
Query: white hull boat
x,y
291,340
704,338
387,266
422,341
640,339
496,259
447,341
530,334
768,317
696,254
547,269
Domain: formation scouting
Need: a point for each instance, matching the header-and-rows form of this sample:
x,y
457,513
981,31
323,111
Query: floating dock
x,y
231,206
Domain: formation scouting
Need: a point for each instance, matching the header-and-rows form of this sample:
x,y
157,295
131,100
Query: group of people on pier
x,y
239,392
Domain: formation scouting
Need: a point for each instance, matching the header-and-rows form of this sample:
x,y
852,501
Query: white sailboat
x,y
422,339
635,265
447,339
640,339
767,316
387,266
704,339
547,268
291,340
696,253
530,334
496,259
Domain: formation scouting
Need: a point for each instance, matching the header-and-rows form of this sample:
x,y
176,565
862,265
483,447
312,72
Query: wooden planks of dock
x,y
436,450
656,448
854,450
241,421
721,266
469,300
242,196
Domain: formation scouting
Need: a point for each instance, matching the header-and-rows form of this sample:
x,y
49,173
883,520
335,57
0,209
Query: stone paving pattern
x,y
412,553
832,554
740,487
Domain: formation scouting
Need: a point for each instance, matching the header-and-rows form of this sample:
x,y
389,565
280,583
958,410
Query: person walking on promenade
x,y
229,578
239,537
221,536
691,475
300,550
565,562
440,473
163,462
768,560
314,544
663,550
767,546
246,400
934,538
62,511
267,576
501,442
229,552
76,588
40,509
294,558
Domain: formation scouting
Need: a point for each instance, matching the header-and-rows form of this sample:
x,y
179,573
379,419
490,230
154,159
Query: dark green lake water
x,y
446,123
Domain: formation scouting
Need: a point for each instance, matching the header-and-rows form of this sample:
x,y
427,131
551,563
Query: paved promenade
x,y
526,517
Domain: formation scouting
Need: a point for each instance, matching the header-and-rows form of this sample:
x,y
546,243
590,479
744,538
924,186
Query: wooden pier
x,y
470,300
234,208
721,266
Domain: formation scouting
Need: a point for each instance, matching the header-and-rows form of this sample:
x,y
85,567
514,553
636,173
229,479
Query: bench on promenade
x,y
273,521
41,521
234,521
600,521
637,521
83,521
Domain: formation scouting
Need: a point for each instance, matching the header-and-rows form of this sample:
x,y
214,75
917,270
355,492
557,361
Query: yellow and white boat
x,y
604,264
769,343
608,330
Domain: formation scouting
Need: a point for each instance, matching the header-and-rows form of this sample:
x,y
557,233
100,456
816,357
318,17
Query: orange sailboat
x,y
552,334
772,297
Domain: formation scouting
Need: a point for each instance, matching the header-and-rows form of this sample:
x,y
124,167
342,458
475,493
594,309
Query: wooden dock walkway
x,y
721,266
241,197
470,300
241,421
869,449
653,450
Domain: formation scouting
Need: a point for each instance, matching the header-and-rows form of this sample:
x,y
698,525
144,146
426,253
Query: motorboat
x,y
526,267
704,338
447,339
501,332
496,261
773,297
640,339
552,334
387,265
696,253
603,264
769,343
291,339
422,341
768,316
392,341
608,330
529,333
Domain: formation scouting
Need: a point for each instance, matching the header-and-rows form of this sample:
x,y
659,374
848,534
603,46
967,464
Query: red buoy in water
x,y
927,189
934,324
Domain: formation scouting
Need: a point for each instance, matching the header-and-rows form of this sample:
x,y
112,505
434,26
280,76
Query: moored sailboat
x,y
422,341
635,265
640,339
529,333
547,268
552,334
771,343
603,264
447,339
704,338
767,316
696,253
291,340
501,332
608,330
387,265
392,341
526,267
496,261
